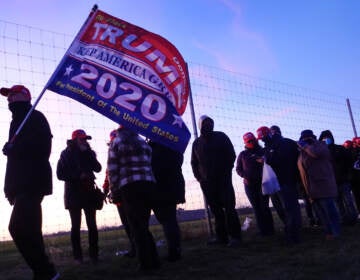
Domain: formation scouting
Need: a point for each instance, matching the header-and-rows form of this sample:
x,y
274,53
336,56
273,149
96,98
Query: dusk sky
x,y
314,44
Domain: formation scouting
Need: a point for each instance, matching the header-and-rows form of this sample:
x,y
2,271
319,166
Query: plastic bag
x,y
270,183
246,224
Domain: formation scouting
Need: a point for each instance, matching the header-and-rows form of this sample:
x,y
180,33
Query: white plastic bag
x,y
246,224
270,183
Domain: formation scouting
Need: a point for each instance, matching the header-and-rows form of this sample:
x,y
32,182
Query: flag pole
x,y
93,10
206,205
351,116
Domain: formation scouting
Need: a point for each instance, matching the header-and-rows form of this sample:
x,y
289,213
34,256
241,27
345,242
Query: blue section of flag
x,y
125,102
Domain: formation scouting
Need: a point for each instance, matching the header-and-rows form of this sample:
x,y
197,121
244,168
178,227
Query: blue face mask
x,y
328,141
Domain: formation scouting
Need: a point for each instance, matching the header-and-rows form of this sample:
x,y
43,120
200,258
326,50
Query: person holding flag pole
x,y
28,179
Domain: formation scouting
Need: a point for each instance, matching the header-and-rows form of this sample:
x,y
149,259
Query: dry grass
x,y
258,258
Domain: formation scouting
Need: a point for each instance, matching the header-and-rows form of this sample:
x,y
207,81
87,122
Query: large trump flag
x,y
128,74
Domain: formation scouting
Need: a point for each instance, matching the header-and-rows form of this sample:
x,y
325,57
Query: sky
x,y
314,44
310,44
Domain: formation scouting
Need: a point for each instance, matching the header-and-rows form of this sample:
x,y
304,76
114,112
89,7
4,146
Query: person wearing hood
x,y
28,179
281,154
342,164
76,167
317,175
249,166
212,161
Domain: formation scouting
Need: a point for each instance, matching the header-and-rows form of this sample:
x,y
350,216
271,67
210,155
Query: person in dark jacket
x,y
281,154
249,166
212,161
170,191
310,213
342,164
318,177
28,179
76,167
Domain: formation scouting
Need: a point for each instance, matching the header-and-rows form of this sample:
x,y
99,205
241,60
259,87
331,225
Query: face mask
x,y
328,141
15,107
250,145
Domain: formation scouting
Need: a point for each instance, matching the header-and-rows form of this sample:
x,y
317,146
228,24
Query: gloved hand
x,y
302,143
7,148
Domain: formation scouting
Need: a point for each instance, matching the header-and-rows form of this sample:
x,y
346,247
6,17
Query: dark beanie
x,y
307,133
326,134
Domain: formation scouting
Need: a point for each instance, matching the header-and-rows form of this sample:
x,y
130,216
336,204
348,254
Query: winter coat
x,y
341,159
316,171
28,169
77,168
166,165
212,156
248,167
282,154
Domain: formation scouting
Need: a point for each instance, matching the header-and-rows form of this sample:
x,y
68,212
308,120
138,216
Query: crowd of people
x,y
144,176
323,174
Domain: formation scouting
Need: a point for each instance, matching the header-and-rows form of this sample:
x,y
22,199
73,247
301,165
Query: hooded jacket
x,y
28,169
341,159
282,154
213,155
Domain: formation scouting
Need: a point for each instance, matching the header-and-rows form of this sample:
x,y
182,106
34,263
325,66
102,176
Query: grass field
x,y
258,258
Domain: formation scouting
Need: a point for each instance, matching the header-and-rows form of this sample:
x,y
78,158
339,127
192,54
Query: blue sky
x,y
314,44
310,44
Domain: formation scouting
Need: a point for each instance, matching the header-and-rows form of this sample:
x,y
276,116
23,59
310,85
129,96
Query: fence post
x,y
206,206
351,116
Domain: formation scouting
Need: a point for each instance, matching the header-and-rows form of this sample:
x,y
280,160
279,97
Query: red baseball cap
x,y
16,93
79,133
248,136
262,132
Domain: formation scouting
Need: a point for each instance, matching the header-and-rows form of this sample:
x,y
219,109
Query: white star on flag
x,y
68,71
177,120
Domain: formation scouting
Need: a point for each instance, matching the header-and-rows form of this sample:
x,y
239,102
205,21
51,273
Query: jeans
x,y
125,222
220,196
260,205
90,216
328,215
288,208
166,215
345,201
137,203
25,227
